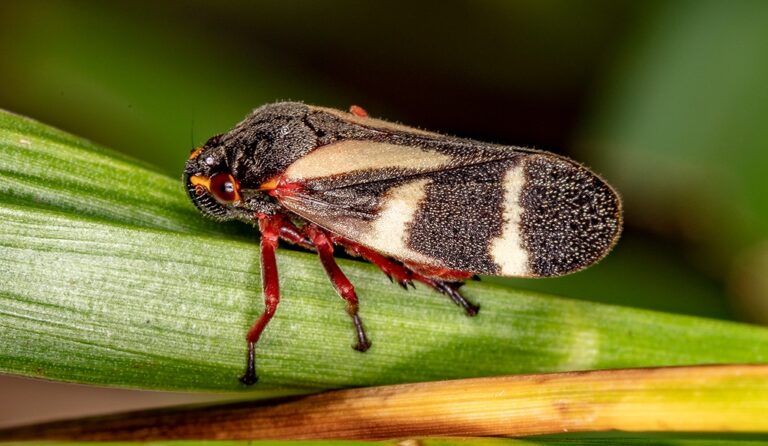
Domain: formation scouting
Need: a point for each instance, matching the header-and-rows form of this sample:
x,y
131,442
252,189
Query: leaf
x,y
679,399
45,168
111,277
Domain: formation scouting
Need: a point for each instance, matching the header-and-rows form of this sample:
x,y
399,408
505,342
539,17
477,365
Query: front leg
x,y
270,233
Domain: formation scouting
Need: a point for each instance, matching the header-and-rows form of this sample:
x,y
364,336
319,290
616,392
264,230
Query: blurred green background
x,y
667,100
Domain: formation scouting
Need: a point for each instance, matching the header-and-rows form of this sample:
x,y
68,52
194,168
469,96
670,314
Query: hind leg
x,y
444,281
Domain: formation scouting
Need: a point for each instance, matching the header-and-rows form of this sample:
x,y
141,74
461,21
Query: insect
x,y
422,206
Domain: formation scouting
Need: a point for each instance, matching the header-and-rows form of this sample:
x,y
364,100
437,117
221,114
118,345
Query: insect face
x,y
215,189
210,185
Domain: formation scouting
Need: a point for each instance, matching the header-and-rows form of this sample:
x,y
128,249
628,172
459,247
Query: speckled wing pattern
x,y
481,208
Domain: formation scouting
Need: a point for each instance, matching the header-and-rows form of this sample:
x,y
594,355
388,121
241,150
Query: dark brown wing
x,y
491,210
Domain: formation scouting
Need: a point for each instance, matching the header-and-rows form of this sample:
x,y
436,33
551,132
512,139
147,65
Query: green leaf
x,y
112,277
45,168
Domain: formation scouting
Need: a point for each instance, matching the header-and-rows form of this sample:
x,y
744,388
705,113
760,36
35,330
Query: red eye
x,y
225,188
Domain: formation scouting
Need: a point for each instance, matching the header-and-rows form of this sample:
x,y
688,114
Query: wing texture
x,y
457,204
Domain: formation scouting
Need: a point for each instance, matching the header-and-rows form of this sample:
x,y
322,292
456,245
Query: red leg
x,y
270,232
446,281
289,232
442,280
358,111
450,289
402,275
342,284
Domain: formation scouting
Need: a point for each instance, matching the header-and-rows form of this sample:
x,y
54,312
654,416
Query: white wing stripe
x,y
507,250
350,156
389,231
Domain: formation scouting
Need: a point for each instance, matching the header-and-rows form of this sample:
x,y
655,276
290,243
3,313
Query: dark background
x,y
667,100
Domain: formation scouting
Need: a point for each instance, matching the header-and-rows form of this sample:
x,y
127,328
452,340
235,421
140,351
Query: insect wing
x,y
502,212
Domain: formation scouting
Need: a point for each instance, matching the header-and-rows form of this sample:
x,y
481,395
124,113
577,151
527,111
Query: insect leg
x,y
445,281
394,270
342,284
406,274
290,233
270,232
450,289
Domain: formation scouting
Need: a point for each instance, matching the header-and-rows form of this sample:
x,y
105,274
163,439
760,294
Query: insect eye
x,y
225,188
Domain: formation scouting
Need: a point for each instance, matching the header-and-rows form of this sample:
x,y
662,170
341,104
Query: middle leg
x,y
341,283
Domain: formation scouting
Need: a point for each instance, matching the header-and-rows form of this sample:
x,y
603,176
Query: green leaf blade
x,y
119,281
49,168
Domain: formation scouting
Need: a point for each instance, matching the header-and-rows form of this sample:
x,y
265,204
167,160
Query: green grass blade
x,y
112,277
46,168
